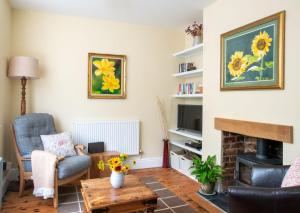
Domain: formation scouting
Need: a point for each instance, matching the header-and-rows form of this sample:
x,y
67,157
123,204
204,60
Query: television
x,y
190,118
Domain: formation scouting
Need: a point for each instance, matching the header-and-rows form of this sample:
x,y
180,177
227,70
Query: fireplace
x,y
246,144
268,152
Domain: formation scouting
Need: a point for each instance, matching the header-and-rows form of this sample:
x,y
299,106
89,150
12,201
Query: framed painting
x,y
106,76
252,56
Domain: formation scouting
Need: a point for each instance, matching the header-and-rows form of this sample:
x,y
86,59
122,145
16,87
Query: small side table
x,y
96,157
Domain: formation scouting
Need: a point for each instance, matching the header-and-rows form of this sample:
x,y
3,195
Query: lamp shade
x,y
22,66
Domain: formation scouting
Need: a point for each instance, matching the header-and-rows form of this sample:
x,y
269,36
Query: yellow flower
x,y
110,83
117,168
125,168
115,161
105,67
100,165
110,161
238,64
260,44
111,167
134,162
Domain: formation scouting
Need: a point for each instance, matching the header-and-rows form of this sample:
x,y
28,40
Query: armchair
x,y
265,195
26,138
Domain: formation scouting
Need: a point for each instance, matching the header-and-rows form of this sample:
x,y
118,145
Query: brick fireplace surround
x,y
241,136
234,144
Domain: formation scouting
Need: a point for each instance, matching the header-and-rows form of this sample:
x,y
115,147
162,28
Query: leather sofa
x,y
265,194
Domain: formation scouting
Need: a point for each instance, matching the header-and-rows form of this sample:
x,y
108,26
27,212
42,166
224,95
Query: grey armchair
x,y
26,138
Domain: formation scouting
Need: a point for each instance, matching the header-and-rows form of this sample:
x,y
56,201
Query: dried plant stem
x,y
163,118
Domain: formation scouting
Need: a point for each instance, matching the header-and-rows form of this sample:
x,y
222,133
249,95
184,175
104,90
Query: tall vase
x,y
117,179
166,163
196,40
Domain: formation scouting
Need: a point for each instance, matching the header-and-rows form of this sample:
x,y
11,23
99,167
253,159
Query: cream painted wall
x,y
5,87
272,106
62,43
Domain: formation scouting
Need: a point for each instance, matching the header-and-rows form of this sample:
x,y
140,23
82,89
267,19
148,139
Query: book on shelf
x,y
188,88
186,67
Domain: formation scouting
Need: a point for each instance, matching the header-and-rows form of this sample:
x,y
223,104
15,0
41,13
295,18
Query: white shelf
x,y
189,96
182,145
193,73
187,134
190,51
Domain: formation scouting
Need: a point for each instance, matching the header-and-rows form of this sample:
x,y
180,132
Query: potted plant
x,y
207,173
195,30
119,167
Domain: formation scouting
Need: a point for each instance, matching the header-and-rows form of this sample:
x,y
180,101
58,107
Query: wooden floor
x,y
181,185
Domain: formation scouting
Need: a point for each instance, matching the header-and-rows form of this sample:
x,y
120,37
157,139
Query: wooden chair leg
x,y
55,197
88,174
22,185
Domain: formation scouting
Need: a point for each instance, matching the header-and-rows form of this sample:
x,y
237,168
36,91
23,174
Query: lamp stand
x,y
23,94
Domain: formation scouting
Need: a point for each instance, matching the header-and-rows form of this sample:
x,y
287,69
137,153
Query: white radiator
x,y
121,136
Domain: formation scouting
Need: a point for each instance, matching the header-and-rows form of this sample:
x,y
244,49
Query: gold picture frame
x,y
106,76
252,56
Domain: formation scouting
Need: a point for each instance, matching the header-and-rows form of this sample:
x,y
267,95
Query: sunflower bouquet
x,y
117,164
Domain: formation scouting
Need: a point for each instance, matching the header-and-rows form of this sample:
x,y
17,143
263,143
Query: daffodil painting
x,y
106,78
252,56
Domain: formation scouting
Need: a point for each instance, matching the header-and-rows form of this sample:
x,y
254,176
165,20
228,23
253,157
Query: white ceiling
x,y
172,13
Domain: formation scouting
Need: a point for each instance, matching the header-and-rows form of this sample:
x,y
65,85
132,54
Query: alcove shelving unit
x,y
189,74
179,161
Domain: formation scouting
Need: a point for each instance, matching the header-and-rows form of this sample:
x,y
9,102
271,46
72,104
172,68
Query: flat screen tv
x,y
190,118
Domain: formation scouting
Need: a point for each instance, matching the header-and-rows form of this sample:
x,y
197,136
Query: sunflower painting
x,y
106,78
252,56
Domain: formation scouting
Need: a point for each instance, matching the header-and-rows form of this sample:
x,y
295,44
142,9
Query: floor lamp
x,y
24,68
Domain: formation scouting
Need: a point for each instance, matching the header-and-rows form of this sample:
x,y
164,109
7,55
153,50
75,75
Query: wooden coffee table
x,y
134,196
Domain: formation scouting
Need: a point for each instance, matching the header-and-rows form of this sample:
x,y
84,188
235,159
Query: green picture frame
x,y
252,56
106,76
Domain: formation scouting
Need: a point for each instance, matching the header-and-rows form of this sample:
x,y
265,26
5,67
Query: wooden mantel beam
x,y
255,129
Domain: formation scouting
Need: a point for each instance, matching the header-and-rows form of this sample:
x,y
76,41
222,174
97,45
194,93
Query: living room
x,y
155,63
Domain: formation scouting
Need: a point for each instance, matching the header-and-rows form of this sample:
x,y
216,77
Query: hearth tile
x,y
155,186
173,201
184,209
164,193
67,198
66,189
66,208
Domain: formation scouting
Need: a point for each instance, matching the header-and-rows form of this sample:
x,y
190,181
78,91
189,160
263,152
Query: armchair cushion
x,y
28,129
67,167
73,165
59,144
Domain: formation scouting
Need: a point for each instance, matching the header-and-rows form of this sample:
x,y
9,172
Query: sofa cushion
x,y
73,165
292,176
28,129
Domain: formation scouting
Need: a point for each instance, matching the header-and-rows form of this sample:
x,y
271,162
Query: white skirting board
x,y
144,163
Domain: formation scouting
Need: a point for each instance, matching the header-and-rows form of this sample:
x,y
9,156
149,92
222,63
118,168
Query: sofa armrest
x,y
268,176
79,149
258,199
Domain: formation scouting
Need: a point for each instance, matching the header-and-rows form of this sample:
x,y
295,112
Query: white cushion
x,y
59,144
